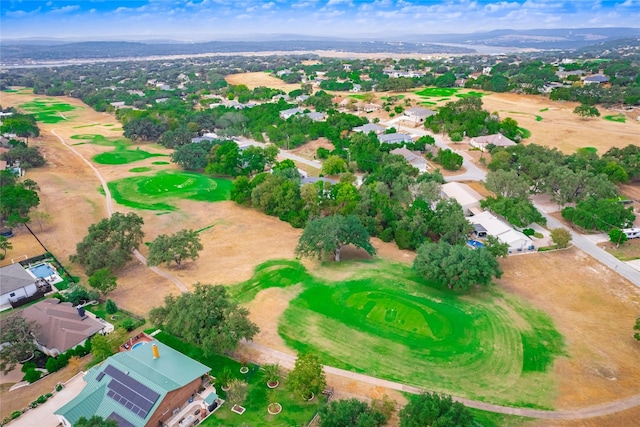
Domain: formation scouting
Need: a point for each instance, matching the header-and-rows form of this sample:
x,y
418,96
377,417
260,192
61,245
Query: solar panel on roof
x,y
122,422
131,383
99,377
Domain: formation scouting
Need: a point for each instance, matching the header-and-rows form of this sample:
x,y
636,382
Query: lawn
x,y
120,155
140,169
155,192
47,110
116,319
618,118
439,92
389,323
295,412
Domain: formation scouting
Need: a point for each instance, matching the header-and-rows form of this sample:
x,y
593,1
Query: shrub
x,y
15,414
32,376
28,366
59,387
42,398
455,136
128,324
111,307
322,153
33,404
53,365
529,232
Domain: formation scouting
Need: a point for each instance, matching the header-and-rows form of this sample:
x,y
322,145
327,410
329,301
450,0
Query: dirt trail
x,y
288,361
110,210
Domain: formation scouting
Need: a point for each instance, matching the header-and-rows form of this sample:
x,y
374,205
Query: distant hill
x,y
561,38
29,50
16,52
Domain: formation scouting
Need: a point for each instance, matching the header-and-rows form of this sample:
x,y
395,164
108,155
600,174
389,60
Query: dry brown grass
x,y
592,307
254,80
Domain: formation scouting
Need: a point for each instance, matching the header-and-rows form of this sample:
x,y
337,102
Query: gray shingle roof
x,y
14,277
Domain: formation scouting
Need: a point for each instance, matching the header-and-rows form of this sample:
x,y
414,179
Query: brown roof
x,y
61,327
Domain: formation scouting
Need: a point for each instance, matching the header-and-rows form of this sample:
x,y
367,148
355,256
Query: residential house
x,y
313,180
15,284
418,114
466,196
285,114
596,79
118,104
370,127
152,385
316,116
486,224
62,326
369,108
395,138
497,139
356,88
302,98
415,160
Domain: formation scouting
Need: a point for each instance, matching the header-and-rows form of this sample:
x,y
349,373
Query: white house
x,y
466,196
418,114
15,284
395,138
413,159
632,233
486,223
316,116
596,79
370,127
497,139
285,114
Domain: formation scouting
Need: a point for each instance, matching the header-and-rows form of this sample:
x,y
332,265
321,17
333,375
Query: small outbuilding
x,y
465,195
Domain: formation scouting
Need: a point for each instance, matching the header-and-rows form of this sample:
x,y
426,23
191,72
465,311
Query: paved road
x,y
620,267
107,193
288,361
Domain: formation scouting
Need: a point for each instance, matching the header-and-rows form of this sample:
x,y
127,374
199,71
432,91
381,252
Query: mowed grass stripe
x,y
389,323
155,192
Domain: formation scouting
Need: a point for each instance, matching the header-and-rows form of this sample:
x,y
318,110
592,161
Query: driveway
x,y
43,415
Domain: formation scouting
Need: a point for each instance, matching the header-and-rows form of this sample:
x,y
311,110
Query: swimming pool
x,y
475,244
42,271
137,345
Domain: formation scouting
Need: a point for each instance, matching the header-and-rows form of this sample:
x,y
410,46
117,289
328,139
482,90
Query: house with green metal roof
x,y
146,386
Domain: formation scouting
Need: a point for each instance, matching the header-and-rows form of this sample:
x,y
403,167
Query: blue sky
x,y
201,20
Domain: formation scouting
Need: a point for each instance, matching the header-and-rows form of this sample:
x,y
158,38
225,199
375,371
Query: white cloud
x,y
337,2
22,13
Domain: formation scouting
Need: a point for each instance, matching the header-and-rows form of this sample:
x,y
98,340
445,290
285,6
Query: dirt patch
x,y
594,309
265,311
254,80
308,150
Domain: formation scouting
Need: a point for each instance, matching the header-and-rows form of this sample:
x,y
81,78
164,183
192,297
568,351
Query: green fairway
x,y
389,323
471,94
47,110
438,92
155,192
618,118
120,155
123,156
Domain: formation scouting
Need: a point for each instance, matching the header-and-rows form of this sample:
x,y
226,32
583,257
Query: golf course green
x,y
387,322
121,153
155,192
47,110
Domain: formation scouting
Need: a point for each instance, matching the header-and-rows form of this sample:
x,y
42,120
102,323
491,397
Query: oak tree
x,y
329,235
176,247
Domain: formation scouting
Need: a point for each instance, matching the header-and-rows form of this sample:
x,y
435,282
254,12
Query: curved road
x,y
180,285
288,360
